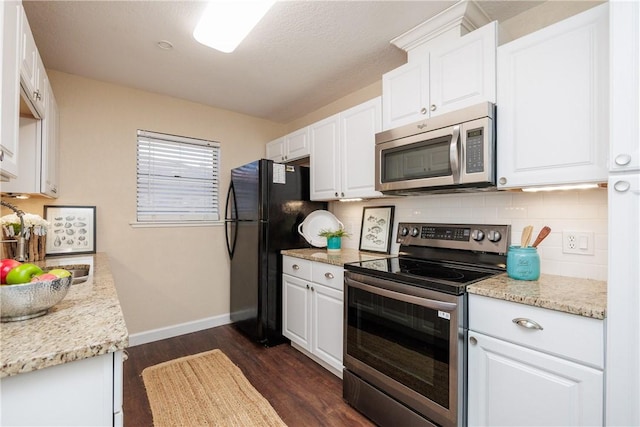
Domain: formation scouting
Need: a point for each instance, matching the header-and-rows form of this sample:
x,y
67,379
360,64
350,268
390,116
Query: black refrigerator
x,y
266,202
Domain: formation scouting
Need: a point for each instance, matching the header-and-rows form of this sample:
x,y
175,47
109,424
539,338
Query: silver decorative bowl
x,y
29,300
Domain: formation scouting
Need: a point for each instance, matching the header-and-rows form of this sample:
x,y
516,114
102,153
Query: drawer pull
x,y
328,275
295,267
527,323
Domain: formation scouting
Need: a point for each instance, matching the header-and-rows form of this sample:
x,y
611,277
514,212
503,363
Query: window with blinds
x,y
177,178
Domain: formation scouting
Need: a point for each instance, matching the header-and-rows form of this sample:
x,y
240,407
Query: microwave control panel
x,y
475,151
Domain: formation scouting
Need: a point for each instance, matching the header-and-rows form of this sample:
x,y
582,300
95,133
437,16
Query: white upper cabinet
x,y
457,74
624,153
296,145
325,159
342,153
553,104
275,150
290,147
10,20
464,73
50,148
405,94
32,72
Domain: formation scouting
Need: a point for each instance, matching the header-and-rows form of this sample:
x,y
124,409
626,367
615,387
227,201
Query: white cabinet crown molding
x,y
464,16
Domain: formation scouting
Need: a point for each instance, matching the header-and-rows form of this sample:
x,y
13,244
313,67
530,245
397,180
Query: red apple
x,y
7,265
46,277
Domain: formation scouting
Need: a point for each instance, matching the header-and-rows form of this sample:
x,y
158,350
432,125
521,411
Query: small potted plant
x,y
334,238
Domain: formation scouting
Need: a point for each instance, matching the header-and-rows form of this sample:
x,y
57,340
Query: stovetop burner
x,y
423,269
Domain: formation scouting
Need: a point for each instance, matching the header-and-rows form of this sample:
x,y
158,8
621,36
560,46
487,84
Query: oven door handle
x,y
424,302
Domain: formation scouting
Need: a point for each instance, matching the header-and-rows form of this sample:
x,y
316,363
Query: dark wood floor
x,y
302,392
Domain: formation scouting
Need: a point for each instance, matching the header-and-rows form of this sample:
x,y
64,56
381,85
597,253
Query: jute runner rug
x,y
205,389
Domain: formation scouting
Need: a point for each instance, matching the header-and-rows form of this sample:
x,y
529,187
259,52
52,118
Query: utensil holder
x,y
523,263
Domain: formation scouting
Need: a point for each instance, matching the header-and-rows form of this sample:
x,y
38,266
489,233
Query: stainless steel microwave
x,y
451,152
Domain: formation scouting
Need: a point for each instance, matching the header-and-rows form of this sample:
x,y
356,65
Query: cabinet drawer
x,y
296,267
328,275
566,335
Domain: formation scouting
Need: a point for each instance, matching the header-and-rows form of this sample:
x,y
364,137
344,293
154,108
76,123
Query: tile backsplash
x,y
581,211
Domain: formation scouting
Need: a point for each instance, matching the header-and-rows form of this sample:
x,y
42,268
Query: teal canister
x,y
523,263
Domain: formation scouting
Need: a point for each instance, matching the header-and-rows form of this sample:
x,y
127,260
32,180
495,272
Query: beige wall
x,y
542,16
164,276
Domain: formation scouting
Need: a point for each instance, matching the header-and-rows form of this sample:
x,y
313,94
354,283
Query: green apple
x,y
59,272
23,273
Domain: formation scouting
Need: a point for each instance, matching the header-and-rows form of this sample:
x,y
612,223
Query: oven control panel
x,y
473,237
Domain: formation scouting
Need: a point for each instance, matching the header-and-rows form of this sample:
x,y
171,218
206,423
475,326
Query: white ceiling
x,y
301,56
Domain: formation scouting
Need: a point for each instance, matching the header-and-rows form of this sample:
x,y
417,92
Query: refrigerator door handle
x,y
231,197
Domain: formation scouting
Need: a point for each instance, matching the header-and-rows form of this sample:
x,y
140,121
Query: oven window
x,y
406,342
425,159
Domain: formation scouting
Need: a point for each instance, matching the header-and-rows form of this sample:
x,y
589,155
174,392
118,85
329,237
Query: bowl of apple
x,y
26,291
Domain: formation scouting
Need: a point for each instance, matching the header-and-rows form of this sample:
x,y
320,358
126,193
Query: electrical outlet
x,y
578,242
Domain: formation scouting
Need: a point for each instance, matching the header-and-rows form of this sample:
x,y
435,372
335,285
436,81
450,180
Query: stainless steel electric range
x,y
405,334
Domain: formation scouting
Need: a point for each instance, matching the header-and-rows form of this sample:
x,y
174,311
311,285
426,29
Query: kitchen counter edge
x,y
88,322
344,256
583,297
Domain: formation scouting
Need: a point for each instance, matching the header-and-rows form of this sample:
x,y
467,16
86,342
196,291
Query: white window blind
x,y
177,178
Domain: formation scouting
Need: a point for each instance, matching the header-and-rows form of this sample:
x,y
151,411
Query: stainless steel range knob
x,y
415,232
404,231
494,236
477,235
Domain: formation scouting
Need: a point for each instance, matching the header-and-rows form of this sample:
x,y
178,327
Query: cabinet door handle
x,y
328,275
527,323
502,180
307,286
473,340
433,107
623,159
423,111
295,267
336,194
312,289
621,186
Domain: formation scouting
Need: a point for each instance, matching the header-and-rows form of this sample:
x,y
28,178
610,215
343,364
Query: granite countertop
x,y
87,322
339,258
584,297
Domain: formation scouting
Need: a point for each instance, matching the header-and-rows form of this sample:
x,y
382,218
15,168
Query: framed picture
x,y
72,230
376,229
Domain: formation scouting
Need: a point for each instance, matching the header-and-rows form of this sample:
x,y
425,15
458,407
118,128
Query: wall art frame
x,y
72,230
376,229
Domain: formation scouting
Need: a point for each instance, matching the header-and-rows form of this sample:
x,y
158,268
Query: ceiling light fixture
x,y
224,24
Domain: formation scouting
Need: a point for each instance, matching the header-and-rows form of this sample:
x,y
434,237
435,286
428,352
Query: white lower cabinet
x,y
313,310
520,375
85,392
